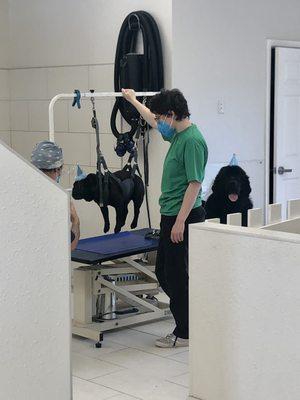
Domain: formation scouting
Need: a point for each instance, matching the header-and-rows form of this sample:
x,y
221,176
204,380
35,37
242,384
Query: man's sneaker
x,y
171,341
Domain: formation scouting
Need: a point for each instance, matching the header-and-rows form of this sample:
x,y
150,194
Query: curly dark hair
x,y
170,100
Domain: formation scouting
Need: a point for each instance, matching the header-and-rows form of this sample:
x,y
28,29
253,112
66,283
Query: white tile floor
x,y
129,366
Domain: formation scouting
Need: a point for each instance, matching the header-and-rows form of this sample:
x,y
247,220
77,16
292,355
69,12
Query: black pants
x,y
172,269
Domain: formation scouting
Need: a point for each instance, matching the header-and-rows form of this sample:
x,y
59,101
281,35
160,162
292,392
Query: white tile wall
x,y
61,116
5,137
23,142
66,79
104,109
38,115
4,115
80,119
4,107
91,220
101,78
4,84
19,116
28,83
76,147
65,177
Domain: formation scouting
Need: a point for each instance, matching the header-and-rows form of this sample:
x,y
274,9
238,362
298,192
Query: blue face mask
x,y
165,129
58,179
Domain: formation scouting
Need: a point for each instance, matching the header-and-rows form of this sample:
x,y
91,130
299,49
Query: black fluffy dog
x,y
230,194
122,188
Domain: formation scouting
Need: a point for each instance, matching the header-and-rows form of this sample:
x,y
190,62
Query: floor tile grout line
x,y
100,359
134,348
95,358
179,352
173,355
121,368
148,352
91,380
98,376
105,375
163,321
178,384
119,392
177,376
180,362
116,390
154,354
107,387
146,333
129,395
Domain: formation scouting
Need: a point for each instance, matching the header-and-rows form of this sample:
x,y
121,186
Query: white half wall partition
x,y
35,329
244,313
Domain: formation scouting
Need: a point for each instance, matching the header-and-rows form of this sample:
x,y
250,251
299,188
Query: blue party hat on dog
x,y
80,174
233,160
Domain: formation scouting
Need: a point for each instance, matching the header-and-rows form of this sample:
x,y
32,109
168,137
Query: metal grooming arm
x,y
84,95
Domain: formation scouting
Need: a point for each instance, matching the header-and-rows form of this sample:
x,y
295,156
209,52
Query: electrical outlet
x,y
220,107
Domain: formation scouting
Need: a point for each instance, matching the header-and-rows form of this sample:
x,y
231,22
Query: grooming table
x,y
109,271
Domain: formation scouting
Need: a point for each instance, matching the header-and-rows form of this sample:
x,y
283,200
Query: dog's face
x,y
232,183
86,188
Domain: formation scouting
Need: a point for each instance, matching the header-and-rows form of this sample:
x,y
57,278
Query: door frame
x,y
271,44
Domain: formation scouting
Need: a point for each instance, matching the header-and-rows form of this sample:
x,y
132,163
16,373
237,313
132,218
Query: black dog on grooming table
x,y
122,188
230,194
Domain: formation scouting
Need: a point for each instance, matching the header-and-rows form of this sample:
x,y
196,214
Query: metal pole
x,y
84,95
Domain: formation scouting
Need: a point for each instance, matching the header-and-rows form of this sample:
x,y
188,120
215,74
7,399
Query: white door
x,y
287,125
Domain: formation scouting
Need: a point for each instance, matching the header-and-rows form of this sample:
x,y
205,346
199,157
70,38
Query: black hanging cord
x,y
144,132
146,171
141,72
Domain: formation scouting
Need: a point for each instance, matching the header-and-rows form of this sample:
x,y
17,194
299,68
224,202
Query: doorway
x,y
283,124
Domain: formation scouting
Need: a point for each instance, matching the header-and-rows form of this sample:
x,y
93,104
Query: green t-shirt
x,y
185,162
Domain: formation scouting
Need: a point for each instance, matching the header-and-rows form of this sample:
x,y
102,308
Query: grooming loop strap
x,y
103,183
133,158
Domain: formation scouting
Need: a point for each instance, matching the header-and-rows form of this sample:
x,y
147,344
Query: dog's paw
x,y
133,224
106,228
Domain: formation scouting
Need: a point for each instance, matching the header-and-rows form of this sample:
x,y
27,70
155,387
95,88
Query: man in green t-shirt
x,y
180,201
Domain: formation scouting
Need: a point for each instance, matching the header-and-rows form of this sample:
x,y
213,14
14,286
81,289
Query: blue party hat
x,y
80,174
233,160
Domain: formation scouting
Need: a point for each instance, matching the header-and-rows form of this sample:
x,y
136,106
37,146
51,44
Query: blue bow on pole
x,y
76,100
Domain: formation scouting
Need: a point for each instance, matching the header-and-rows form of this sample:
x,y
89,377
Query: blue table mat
x,y
114,243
